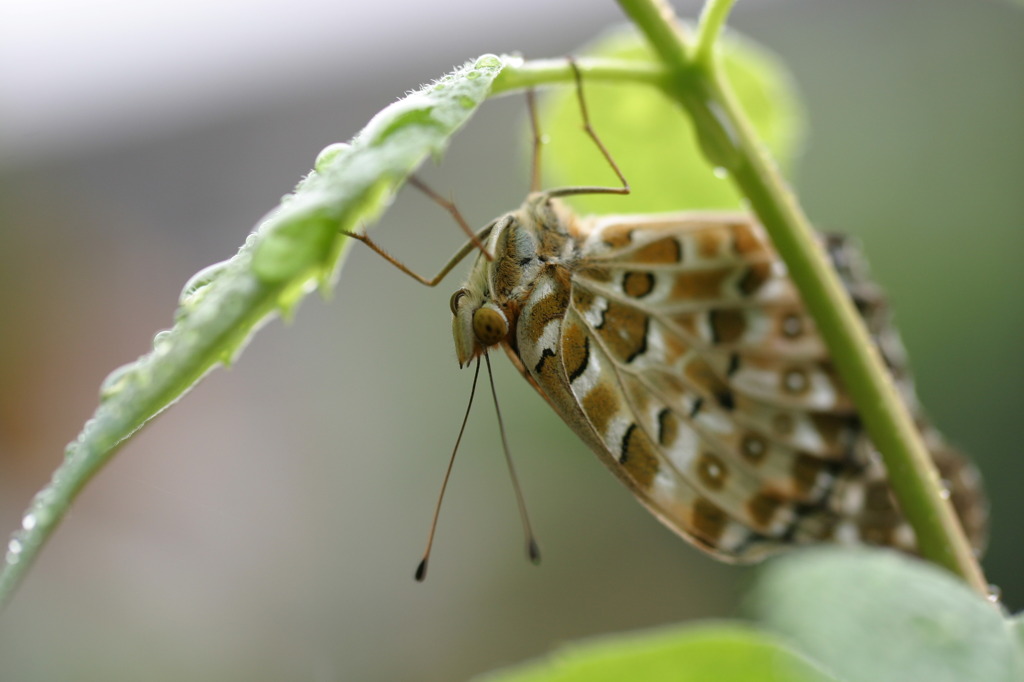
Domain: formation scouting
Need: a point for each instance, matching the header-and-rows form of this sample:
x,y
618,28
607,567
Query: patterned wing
x,y
679,350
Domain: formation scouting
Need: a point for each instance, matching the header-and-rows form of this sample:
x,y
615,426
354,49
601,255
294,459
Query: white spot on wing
x,y
665,485
713,420
585,382
683,451
852,501
903,536
733,536
595,314
847,533
529,350
655,352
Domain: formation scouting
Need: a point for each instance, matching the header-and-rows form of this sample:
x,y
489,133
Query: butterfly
x,y
678,349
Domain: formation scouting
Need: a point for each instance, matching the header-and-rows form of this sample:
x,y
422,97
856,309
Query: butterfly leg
x,y
589,130
531,107
449,205
467,248
475,239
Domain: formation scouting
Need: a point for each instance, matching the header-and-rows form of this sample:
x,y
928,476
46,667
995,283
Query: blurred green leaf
x,y
722,652
878,616
653,141
1017,623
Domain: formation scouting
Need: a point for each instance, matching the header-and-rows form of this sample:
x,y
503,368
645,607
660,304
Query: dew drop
x,y
204,277
473,75
465,102
720,173
944,490
43,498
487,61
161,340
14,546
87,428
28,522
329,154
116,381
995,594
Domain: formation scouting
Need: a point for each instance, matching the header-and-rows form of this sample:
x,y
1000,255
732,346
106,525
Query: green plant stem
x,y
729,141
517,77
712,19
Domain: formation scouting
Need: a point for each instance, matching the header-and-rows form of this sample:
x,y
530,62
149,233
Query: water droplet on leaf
x,y
488,61
161,340
116,381
329,154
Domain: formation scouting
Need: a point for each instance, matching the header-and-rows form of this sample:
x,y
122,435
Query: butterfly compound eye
x,y
456,299
489,325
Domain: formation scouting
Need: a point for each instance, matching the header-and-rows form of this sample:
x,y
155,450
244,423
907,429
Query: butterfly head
x,y
476,324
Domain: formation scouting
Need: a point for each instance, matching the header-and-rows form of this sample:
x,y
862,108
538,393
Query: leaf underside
x,y
294,249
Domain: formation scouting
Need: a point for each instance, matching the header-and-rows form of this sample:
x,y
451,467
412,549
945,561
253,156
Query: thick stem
x,y
728,139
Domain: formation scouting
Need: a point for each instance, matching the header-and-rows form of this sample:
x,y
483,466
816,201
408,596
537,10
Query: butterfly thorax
x,y
526,244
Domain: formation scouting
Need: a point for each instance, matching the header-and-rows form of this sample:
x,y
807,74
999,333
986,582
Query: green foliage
x,y
700,85
653,141
860,615
297,246
879,616
850,615
1017,625
725,652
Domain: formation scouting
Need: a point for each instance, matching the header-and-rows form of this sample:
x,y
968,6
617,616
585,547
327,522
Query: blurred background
x,y
268,526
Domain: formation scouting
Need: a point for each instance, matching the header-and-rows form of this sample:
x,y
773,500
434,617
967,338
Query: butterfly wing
x,y
679,350
958,473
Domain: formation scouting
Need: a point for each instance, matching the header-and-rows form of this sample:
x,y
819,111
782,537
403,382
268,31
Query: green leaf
x,y
1017,626
878,616
721,652
652,140
296,247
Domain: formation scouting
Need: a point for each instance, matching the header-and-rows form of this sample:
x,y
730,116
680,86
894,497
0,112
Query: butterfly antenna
x,y
421,570
532,549
531,106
